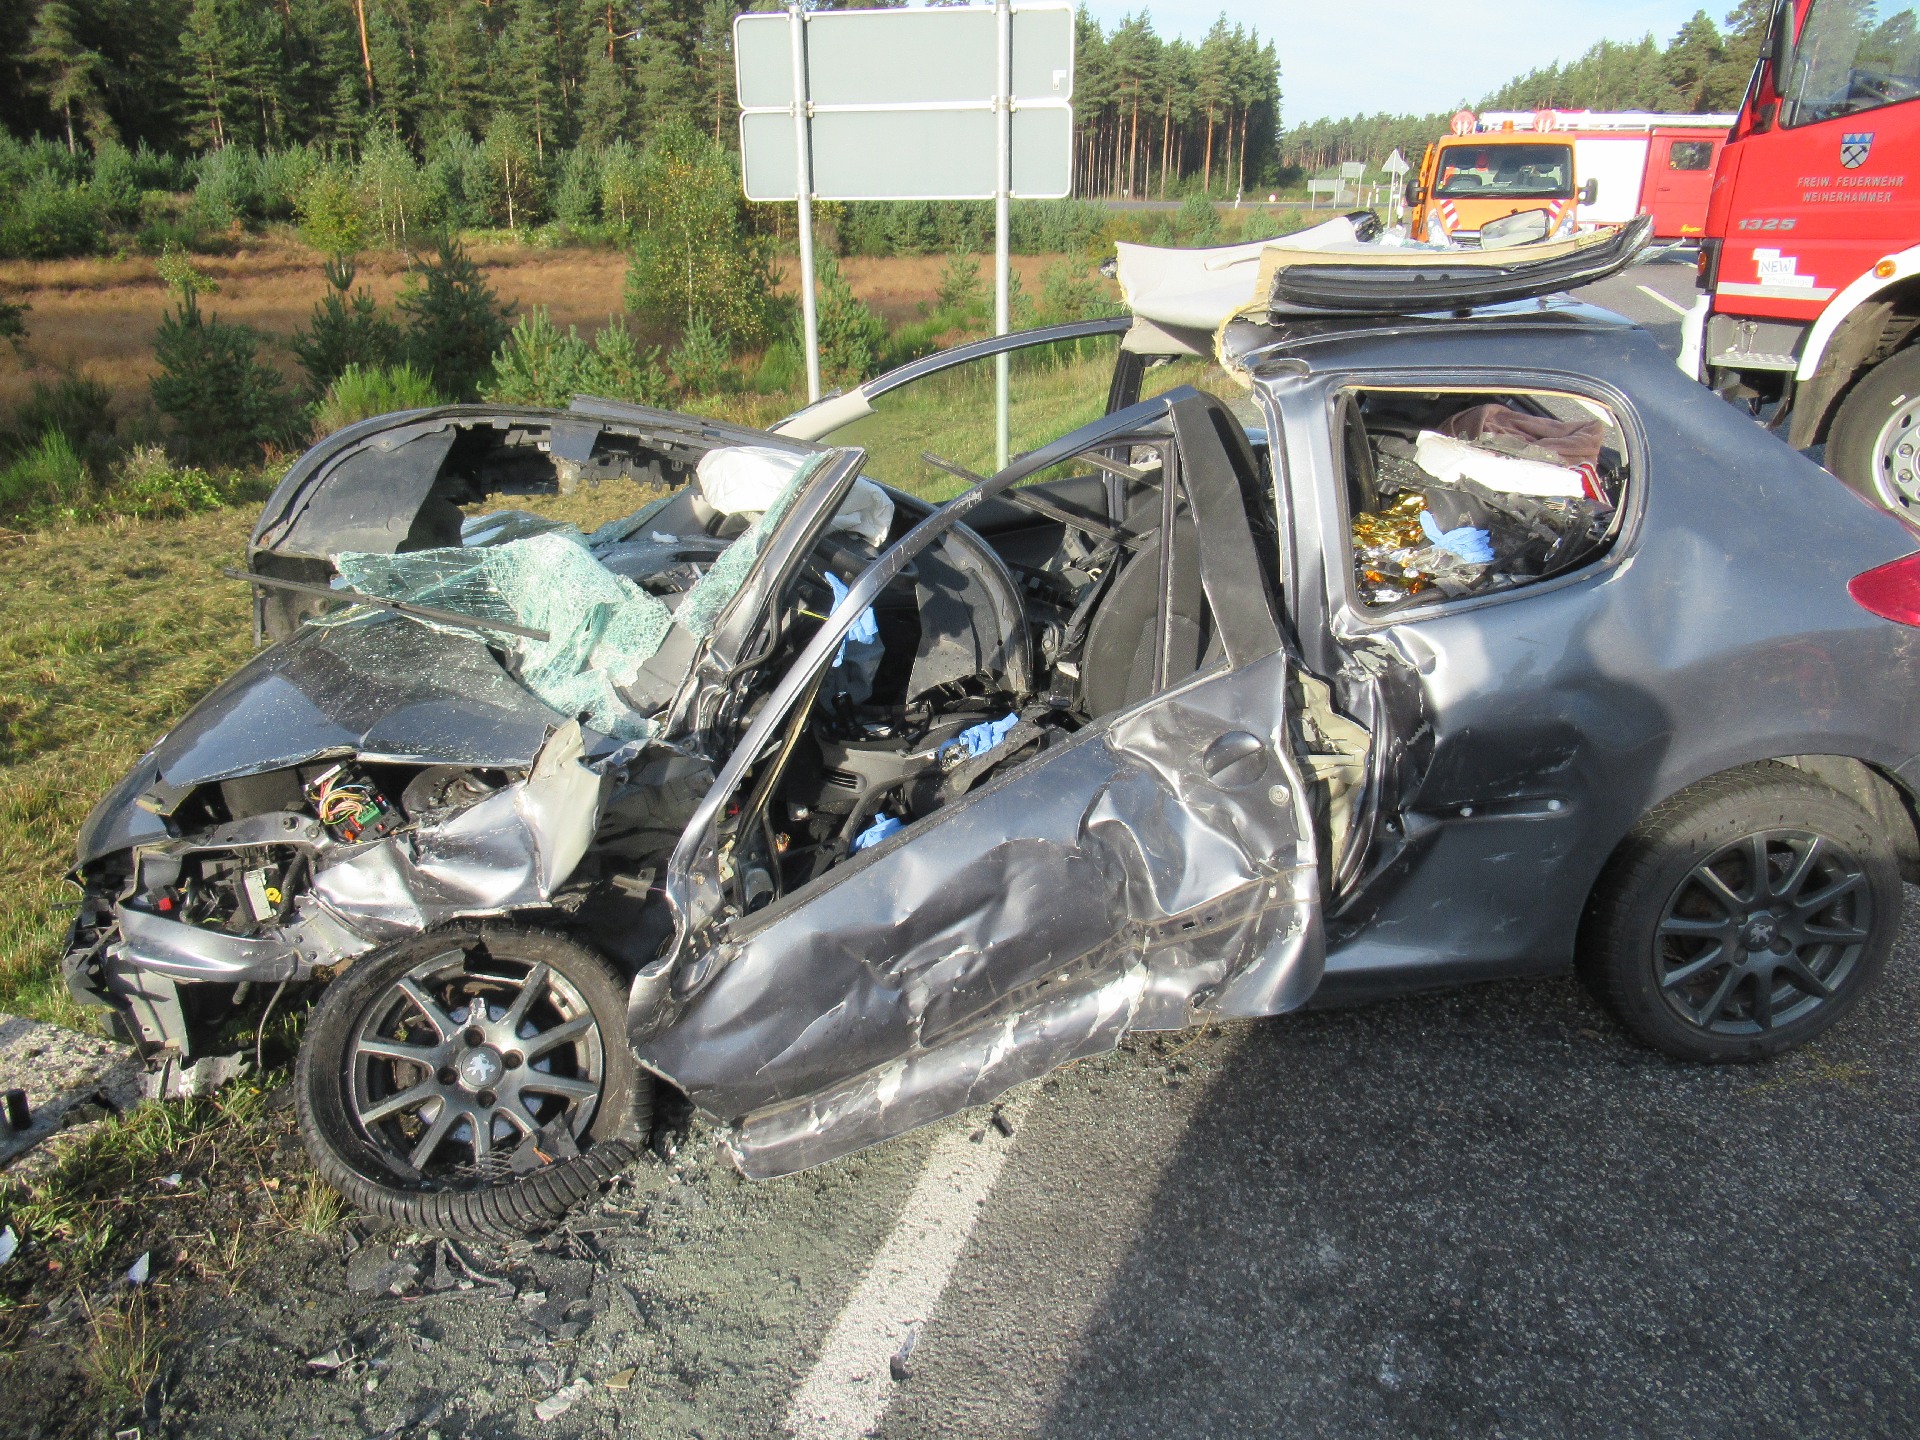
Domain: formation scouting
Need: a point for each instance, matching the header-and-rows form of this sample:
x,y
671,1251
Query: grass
x,y
1049,394
204,1188
99,316
108,633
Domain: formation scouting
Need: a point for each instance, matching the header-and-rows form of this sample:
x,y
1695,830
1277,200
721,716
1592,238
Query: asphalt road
x,y
1484,1213
1654,295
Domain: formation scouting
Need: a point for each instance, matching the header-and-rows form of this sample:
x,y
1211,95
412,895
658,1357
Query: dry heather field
x,y
98,316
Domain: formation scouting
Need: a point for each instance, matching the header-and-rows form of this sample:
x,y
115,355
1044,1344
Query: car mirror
x,y
1780,49
1412,193
1590,192
1523,227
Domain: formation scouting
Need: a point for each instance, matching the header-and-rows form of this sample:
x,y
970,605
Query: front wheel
x,y
1742,917
1874,445
472,1081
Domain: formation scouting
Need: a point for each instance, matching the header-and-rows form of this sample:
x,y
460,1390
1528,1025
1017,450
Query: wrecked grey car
x,y
1434,647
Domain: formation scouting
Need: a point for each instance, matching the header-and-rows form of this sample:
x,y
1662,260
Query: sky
x,y
1412,56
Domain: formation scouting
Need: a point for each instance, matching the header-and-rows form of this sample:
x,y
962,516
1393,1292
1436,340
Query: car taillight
x,y
1891,591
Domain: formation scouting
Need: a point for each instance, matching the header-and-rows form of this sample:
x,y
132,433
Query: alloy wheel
x,y
468,1058
1763,932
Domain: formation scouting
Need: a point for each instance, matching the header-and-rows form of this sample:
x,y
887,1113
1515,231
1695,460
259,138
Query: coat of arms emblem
x,y
1854,149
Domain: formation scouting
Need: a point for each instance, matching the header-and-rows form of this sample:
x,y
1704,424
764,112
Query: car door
x,y
1159,866
1486,816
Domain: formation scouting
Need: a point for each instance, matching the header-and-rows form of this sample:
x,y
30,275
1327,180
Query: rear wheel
x,y
1874,444
472,1081
1742,917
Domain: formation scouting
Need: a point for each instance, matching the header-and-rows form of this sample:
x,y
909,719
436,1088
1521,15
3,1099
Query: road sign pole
x,y
1003,185
803,187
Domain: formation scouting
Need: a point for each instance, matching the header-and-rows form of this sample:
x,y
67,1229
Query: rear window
x,y
1453,493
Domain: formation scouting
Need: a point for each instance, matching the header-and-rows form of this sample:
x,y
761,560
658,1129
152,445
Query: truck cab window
x,y
1850,58
1535,172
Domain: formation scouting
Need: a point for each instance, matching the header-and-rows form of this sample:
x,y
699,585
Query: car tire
x,y
1698,961
558,1121
1874,442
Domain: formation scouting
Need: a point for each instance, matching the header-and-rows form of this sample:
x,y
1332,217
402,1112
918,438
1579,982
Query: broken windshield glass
x,y
600,627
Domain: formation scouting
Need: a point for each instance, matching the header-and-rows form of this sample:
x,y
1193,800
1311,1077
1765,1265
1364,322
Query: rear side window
x,y
1452,493
1690,155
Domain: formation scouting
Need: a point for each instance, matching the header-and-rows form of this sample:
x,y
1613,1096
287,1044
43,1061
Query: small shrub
x,y
147,483
331,219
852,337
50,473
538,365
47,220
78,407
455,323
1197,222
116,184
347,329
225,186
576,199
701,364
1069,291
361,393
618,369
782,369
225,404
13,323
963,294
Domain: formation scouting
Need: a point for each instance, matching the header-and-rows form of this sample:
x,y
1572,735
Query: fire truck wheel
x,y
1874,444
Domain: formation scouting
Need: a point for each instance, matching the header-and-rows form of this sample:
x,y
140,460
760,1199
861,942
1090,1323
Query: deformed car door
x,y
1157,867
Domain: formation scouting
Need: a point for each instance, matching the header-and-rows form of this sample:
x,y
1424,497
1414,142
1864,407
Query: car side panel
x,y
1720,633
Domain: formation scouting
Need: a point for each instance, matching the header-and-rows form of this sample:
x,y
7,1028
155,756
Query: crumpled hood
x,y
383,688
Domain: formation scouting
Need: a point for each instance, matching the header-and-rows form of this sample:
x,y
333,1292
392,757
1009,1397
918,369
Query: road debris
x,y
897,1366
332,1360
562,1400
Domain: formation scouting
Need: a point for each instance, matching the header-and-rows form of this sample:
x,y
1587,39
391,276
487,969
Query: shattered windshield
x,y
1487,172
600,627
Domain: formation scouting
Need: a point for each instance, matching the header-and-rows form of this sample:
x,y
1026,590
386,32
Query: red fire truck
x,y
1810,268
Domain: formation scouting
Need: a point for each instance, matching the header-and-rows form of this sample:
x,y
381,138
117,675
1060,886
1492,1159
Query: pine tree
x,y
1746,28
70,73
455,322
527,66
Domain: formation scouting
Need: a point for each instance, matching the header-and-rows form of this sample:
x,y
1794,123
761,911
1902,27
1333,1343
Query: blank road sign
x,y
902,103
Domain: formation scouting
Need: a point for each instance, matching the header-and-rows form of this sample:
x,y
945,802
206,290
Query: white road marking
x,y
847,1391
1653,294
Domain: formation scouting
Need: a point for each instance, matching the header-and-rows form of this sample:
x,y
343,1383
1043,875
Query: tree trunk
x,y
1133,146
366,55
66,109
1166,144
1206,161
